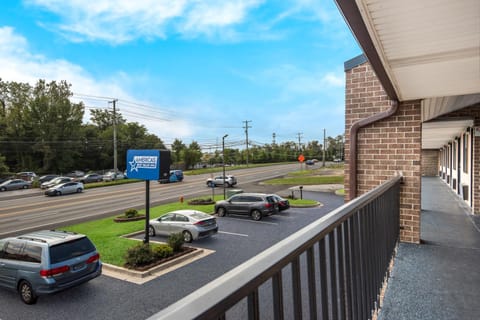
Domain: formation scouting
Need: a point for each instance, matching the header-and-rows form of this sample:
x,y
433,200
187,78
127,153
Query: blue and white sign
x,y
143,164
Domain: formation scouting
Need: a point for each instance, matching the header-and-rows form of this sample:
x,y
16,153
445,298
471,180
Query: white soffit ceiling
x,y
429,48
436,134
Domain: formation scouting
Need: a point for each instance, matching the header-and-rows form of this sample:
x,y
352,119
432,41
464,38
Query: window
x,y
181,218
466,139
454,153
12,250
69,250
32,253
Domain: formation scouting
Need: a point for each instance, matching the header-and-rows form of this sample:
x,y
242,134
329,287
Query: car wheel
x,y
3,189
187,236
58,193
151,231
256,215
221,212
229,185
210,184
26,292
79,190
25,187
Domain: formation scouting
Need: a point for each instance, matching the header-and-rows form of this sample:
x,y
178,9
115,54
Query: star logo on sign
x,y
133,165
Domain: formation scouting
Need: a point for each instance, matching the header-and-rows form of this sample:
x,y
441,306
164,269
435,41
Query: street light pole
x,y
223,163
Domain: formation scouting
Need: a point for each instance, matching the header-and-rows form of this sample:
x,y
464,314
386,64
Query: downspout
x,y
352,192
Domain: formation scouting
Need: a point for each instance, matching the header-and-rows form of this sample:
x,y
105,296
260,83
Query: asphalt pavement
x,y
239,239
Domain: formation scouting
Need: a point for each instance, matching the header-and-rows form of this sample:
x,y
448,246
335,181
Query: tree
x,y
103,118
177,147
55,123
192,155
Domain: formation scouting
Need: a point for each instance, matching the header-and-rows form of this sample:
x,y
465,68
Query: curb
x,y
151,271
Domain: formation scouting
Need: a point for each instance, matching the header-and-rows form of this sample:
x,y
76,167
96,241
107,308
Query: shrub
x,y
139,255
175,241
162,251
130,213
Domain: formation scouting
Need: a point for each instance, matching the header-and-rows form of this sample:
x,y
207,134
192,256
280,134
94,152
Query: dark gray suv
x,y
48,261
256,205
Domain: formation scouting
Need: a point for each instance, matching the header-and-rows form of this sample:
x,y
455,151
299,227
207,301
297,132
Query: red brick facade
x,y
430,163
386,147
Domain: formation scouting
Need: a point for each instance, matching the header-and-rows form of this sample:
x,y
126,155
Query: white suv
x,y
230,181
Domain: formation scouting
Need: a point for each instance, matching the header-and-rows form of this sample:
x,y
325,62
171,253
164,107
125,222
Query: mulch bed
x,y
184,251
126,219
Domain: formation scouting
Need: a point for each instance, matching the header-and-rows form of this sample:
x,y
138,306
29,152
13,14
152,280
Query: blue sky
x,y
190,69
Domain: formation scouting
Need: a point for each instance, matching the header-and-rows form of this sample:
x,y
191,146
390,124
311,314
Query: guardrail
x,y
333,268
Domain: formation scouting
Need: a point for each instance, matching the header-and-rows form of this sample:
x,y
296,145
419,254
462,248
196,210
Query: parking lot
x,y
239,239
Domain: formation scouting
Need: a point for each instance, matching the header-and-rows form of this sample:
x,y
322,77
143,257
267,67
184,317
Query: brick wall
x,y
385,147
430,163
472,112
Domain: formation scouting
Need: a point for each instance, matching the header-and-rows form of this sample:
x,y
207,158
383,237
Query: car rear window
x,y
200,216
71,249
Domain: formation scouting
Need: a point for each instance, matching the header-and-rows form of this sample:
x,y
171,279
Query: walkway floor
x,y
440,278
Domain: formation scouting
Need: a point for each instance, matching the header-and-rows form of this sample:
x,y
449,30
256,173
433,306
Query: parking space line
x,y
235,234
252,221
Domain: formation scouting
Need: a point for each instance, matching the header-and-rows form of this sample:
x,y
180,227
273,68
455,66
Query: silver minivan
x,y
45,262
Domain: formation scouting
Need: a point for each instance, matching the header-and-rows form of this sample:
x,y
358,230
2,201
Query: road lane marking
x,y
234,234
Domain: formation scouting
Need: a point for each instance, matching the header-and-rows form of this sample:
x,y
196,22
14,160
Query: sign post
x,y
148,165
301,158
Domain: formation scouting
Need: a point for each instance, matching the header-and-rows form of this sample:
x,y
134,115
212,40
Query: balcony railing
x,y
333,268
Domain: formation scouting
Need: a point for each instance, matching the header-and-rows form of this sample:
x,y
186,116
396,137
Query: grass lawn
x,y
302,202
106,234
325,175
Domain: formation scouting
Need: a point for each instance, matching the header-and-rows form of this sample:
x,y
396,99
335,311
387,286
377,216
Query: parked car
x,y
309,162
192,224
47,178
230,181
91,177
256,205
55,181
15,184
45,262
111,176
283,204
175,176
27,175
75,174
65,188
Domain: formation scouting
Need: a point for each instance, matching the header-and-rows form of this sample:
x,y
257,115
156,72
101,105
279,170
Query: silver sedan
x,y
192,224
15,184
65,188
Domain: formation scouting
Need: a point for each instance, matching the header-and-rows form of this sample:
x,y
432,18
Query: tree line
x,y
42,130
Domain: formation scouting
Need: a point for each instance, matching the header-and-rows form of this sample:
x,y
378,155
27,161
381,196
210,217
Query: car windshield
x,y
199,216
69,250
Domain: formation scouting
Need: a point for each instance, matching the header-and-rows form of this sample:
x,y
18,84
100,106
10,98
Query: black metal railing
x,y
333,268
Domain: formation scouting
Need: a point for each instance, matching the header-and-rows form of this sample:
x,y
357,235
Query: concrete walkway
x,y
440,278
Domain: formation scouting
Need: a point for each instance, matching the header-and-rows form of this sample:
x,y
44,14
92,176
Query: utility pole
x,y
223,164
324,146
115,137
299,141
273,136
246,134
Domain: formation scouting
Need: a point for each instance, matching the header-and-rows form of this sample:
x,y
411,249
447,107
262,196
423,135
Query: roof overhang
x,y
425,50
437,134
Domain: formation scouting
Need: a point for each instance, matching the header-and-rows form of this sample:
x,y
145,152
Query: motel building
x,y
412,103
406,243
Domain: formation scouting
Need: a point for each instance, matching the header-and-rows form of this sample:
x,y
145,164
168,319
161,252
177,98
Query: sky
x,y
194,70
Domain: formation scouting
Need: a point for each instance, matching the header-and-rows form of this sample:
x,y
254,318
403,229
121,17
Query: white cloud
x,y
20,65
294,80
119,21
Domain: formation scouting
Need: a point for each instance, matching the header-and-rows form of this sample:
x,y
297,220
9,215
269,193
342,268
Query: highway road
x,y
26,210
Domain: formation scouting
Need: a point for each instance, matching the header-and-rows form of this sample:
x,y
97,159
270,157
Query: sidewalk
x,y
440,278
